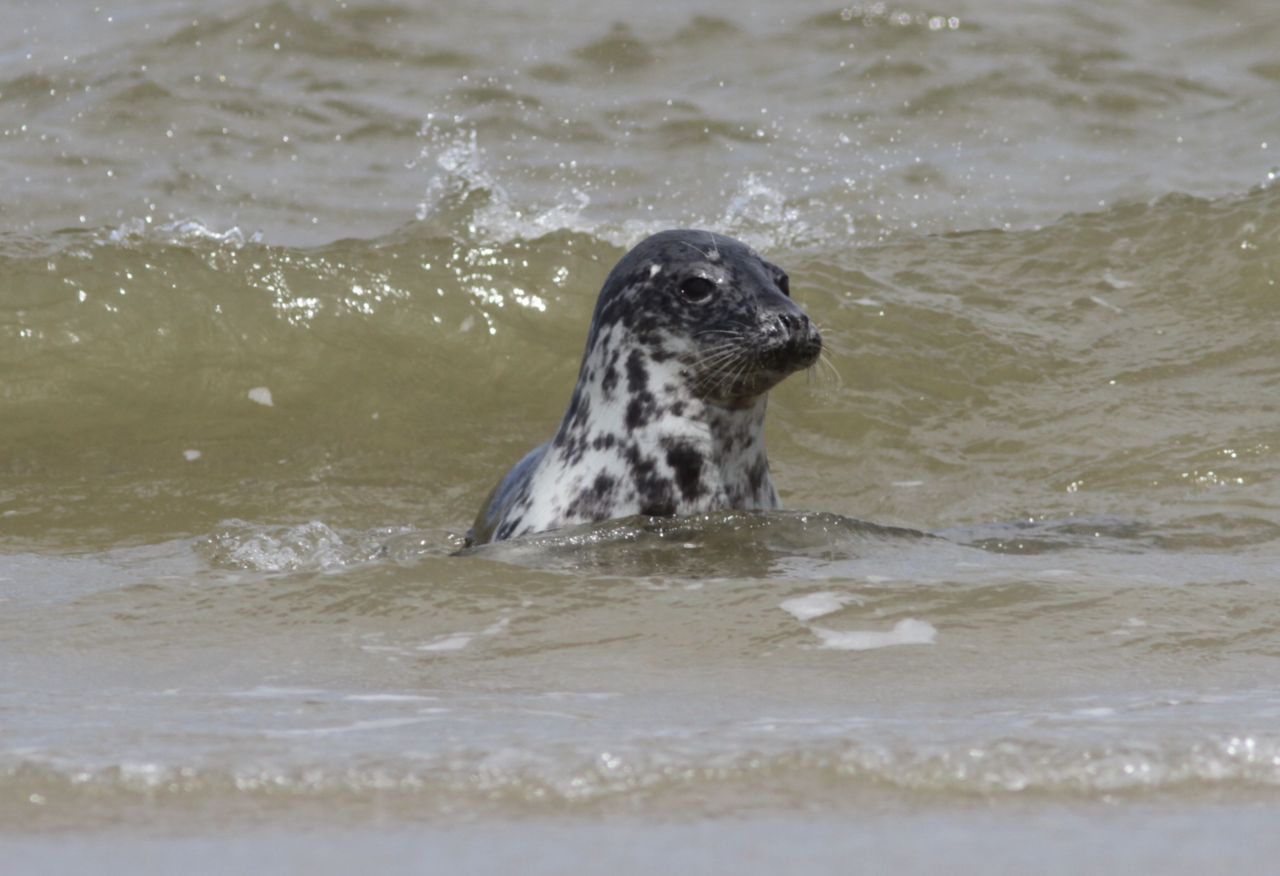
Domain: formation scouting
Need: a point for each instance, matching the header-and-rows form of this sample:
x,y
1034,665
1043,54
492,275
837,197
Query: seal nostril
x,y
795,325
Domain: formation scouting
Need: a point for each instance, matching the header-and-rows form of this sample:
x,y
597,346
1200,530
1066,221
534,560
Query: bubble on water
x,y
261,395
907,631
804,608
313,545
458,641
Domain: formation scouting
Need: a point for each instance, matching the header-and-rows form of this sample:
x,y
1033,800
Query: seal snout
x,y
795,340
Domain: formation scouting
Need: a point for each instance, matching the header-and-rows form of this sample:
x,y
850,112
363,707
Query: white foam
x,y
313,545
458,641
142,227
261,395
806,608
271,691
907,631
355,727
191,455
1115,283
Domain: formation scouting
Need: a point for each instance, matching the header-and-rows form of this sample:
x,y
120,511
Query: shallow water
x,y
287,286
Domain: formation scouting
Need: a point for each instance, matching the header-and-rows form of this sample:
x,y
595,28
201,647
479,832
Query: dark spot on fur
x,y
641,410
579,409
757,474
571,442
645,328
609,382
686,462
594,502
635,415
571,447
654,494
581,412
634,458
660,506
652,355
637,373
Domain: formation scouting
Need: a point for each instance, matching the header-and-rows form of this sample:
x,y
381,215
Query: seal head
x,y
690,332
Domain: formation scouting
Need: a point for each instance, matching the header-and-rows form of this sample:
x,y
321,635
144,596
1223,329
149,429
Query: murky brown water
x,y
284,288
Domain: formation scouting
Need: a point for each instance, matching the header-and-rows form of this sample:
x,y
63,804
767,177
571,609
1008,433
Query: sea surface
x,y
285,287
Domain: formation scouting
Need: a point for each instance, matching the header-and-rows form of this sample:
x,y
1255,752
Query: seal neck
x,y
634,412
738,454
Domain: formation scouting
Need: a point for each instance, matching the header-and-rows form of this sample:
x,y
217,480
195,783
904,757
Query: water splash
x,y
139,230
313,546
762,216
463,190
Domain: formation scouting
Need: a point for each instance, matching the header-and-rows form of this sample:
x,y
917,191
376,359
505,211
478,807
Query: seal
x,y
690,332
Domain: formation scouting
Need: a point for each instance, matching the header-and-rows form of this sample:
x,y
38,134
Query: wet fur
x,y
667,417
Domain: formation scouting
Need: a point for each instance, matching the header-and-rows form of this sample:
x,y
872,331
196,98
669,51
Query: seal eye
x,y
784,283
697,290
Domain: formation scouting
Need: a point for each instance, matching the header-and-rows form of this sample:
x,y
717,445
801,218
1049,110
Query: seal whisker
x,y
733,340
825,365
731,332
732,346
705,255
835,346
734,372
718,332
718,364
716,378
716,370
717,352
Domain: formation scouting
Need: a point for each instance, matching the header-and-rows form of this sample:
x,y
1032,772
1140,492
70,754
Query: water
x,y
287,286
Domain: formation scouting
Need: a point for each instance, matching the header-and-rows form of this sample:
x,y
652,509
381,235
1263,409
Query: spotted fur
x,y
690,332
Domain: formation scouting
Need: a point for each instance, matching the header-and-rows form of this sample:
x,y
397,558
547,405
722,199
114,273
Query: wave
x,y
1108,351
741,774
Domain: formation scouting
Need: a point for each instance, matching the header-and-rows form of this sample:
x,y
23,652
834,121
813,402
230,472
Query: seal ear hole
x,y
697,290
